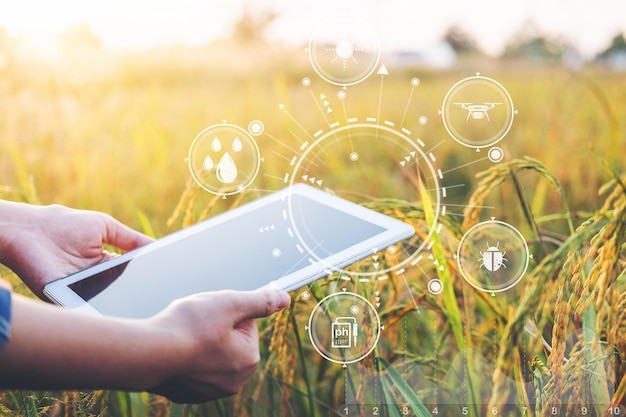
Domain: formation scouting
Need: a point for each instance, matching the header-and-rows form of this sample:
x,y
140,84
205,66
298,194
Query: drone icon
x,y
477,111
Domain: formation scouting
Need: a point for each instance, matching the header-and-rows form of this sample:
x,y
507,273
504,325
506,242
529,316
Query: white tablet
x,y
286,239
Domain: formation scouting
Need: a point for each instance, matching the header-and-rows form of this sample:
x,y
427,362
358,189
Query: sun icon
x,y
345,50
345,53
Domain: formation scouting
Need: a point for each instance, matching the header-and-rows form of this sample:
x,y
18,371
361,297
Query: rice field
x,y
115,137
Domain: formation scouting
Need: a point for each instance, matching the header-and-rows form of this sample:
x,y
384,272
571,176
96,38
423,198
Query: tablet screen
x,y
242,253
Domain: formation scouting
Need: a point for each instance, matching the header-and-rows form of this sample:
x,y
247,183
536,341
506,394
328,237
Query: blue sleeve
x,y
5,315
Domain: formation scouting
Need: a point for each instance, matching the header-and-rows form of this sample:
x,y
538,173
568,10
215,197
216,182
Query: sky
x,y
405,24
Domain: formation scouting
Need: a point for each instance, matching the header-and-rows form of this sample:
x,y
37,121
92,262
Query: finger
x,y
121,236
260,303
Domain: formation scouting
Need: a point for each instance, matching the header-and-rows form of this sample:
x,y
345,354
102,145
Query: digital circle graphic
x,y
493,256
344,50
435,286
365,163
256,128
495,154
478,112
224,159
344,327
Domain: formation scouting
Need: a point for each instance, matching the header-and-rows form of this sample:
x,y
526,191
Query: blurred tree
x,y
79,39
615,54
460,41
251,27
530,43
6,51
618,45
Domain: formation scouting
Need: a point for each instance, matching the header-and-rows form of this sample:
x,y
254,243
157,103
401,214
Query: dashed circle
x,y
407,167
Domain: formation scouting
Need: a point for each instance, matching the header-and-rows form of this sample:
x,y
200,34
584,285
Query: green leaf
x,y
394,378
146,227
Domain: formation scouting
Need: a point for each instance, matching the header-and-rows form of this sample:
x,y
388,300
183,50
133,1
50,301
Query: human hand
x,y
220,338
43,243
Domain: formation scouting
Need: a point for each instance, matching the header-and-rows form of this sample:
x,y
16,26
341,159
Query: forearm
x,y
52,348
13,222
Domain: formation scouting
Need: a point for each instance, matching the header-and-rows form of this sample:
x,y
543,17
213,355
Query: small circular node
x,y
354,156
256,127
341,94
276,252
495,154
415,82
306,81
435,286
422,120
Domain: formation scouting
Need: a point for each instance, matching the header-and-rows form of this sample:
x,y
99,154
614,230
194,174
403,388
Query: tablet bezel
x,y
394,230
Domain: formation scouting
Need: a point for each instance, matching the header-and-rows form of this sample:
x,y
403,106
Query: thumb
x,y
259,303
121,236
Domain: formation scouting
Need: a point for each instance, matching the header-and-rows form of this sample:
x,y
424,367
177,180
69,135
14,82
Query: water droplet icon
x,y
208,163
226,169
237,146
216,145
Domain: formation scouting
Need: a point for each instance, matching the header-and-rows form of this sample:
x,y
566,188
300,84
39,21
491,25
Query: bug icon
x,y
493,258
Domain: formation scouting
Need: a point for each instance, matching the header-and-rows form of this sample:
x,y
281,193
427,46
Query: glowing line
x,y
321,110
273,176
419,258
297,124
465,165
380,100
406,108
281,155
282,143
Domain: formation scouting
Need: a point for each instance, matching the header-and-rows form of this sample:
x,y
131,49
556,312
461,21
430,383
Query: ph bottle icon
x,y
344,332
